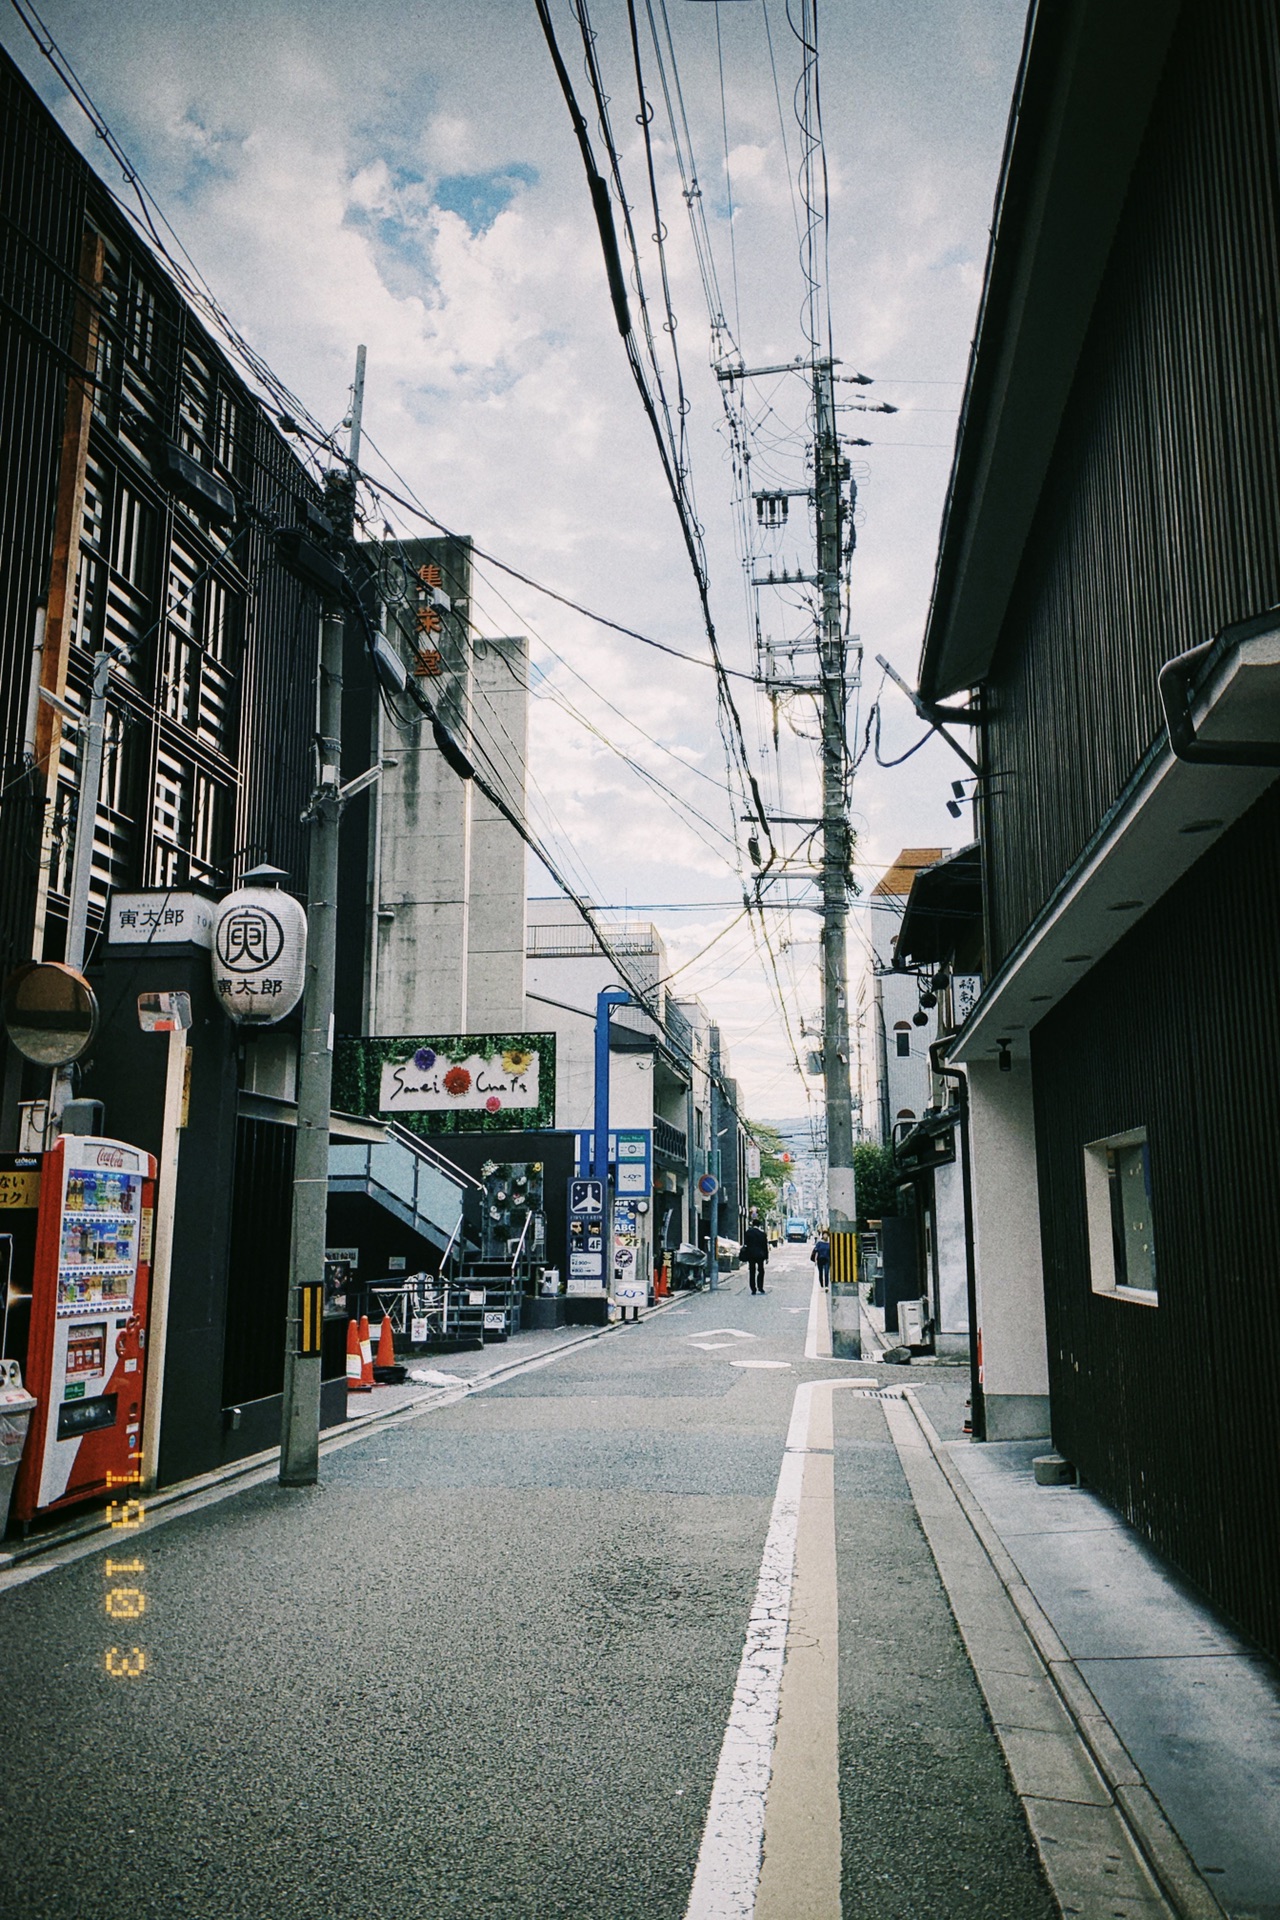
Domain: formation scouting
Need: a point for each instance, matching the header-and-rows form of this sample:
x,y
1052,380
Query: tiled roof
x,y
904,869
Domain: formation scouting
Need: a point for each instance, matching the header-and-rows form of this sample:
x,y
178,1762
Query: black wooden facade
x,y
210,711
1152,521
1159,522
209,759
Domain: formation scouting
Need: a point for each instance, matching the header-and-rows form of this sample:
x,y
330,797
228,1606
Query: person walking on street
x,y
755,1251
821,1257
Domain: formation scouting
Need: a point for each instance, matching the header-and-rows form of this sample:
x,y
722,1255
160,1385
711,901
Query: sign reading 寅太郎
x,y
450,1083
431,1082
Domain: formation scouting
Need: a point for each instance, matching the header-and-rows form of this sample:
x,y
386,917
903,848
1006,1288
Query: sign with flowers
x,y
452,1083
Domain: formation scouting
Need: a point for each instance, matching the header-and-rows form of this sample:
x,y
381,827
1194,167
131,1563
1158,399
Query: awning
x,y
944,909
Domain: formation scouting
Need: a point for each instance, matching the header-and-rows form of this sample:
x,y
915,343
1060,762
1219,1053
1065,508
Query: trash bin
x,y
16,1409
691,1263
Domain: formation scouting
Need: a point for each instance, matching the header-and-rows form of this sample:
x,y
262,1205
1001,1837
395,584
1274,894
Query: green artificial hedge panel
x,y
357,1079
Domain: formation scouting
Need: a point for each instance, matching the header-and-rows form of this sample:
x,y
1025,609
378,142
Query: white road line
x,y
817,1344
728,1871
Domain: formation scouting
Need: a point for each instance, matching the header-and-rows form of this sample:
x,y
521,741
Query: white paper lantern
x,y
259,952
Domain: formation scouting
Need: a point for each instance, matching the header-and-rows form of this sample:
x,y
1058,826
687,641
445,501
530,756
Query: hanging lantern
x,y
259,950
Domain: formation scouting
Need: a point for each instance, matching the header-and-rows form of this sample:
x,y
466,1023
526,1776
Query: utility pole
x,y
829,474
713,1164
300,1419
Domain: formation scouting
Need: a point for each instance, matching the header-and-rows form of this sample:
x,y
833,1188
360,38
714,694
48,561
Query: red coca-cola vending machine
x,y
86,1353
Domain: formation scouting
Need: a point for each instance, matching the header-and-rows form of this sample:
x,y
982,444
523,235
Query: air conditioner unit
x,y
913,1319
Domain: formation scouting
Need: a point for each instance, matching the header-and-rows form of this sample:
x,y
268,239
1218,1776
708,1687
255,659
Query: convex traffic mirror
x,y
51,1012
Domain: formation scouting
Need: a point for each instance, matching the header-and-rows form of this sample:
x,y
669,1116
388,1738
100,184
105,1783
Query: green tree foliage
x,y
767,1185
875,1182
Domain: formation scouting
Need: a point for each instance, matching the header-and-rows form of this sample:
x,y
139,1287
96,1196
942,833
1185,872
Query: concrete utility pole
x,y
713,1164
300,1420
829,473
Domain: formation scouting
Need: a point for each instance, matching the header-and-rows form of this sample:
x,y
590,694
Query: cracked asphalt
x,y
484,1668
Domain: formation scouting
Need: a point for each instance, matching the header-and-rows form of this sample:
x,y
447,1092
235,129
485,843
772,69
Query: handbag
x,y
743,1254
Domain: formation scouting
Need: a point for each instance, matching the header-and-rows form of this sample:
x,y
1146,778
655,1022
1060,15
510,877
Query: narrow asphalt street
x,y
486,1667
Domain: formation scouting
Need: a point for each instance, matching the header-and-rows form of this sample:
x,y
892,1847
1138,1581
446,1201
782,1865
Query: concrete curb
x,y
1171,1866
257,1467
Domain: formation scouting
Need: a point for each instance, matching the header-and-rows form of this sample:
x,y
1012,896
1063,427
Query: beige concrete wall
x,y
496,890
1007,1257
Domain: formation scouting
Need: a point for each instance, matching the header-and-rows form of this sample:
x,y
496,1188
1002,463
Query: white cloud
x,y
302,160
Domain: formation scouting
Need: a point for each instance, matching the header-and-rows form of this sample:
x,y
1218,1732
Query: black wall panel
x,y
1160,520
1173,1412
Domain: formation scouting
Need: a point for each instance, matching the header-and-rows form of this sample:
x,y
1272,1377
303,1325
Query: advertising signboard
x,y
630,1159
586,1237
450,1083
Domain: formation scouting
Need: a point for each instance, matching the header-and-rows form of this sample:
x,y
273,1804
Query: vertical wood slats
x,y
1173,1412
214,747
1160,523
1160,520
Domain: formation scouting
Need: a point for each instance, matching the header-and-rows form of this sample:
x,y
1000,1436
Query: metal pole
x,y
841,1199
300,1415
713,1164
161,1266
606,1000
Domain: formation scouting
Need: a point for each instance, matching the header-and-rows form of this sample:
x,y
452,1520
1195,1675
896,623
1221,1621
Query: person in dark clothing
x,y
821,1257
755,1251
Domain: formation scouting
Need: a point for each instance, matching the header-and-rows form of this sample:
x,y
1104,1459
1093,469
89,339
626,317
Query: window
x,y
1117,1184
902,1037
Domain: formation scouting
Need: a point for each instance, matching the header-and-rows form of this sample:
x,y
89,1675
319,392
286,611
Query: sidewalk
x,y
1180,1715
1194,1711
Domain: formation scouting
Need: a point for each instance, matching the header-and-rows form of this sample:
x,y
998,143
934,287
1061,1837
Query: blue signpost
x,y
606,1000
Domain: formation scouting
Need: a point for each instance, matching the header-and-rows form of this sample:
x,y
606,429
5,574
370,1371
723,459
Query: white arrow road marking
x,y
706,1344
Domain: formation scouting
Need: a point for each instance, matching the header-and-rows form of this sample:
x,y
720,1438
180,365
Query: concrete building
x,y
892,1050
432,937
661,1067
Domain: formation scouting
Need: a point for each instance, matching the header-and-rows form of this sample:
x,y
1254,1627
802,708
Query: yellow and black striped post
x,y
844,1258
311,1298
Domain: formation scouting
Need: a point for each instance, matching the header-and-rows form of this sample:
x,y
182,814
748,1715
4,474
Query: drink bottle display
x,y
86,1356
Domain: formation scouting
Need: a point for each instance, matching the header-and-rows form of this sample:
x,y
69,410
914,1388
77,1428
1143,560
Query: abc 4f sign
x,y
259,954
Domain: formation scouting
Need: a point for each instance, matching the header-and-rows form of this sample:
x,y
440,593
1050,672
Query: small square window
x,y
1122,1248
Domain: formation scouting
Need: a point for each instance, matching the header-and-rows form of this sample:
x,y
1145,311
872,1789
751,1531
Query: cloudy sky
x,y
406,176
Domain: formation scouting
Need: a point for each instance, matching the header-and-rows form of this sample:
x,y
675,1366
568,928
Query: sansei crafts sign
x,y
449,1083
430,1081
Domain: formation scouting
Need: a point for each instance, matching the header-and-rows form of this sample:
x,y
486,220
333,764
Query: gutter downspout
x,y
1175,680
977,1403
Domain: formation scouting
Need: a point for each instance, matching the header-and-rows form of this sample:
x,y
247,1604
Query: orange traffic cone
x,y
386,1343
355,1380
661,1291
366,1356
